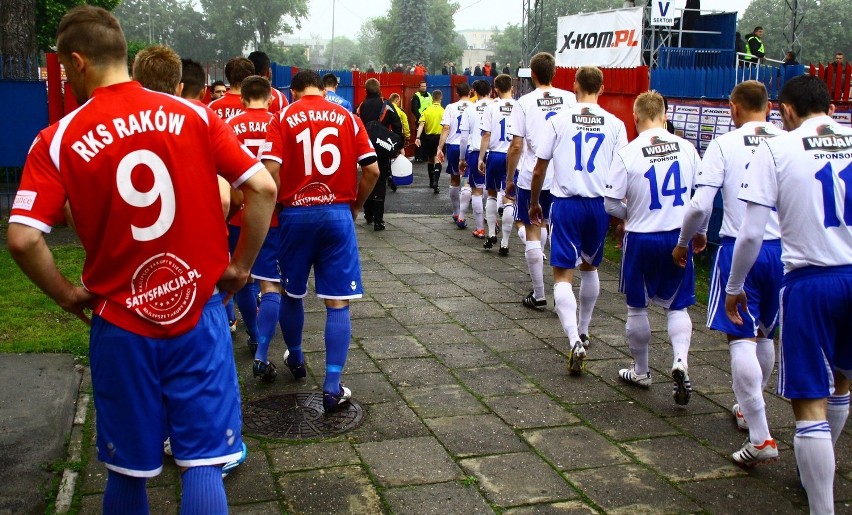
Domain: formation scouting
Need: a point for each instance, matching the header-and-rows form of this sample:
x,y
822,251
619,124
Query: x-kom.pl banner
x,y
608,39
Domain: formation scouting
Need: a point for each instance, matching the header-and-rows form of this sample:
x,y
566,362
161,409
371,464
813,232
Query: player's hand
x,y
699,243
509,190
417,142
481,167
679,255
462,166
354,210
231,281
77,302
732,303
618,234
536,214
439,157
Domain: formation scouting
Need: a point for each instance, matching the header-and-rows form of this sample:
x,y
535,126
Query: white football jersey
x,y
452,119
654,172
495,120
470,123
725,165
807,175
528,121
581,143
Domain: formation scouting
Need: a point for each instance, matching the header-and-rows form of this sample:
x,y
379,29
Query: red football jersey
x,y
229,105
279,102
250,128
318,144
138,169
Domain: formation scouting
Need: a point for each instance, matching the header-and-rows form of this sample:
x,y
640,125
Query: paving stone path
x,y
470,408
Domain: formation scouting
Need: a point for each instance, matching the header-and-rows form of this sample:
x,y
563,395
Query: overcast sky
x,y
473,14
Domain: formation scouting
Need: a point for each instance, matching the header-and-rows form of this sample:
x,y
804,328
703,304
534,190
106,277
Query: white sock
x,y
566,309
747,378
464,201
590,289
508,220
638,330
544,235
522,234
500,198
766,357
838,412
535,265
491,216
680,333
815,458
454,199
476,200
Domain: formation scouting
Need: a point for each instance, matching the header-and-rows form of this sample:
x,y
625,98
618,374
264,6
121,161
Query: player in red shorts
x,y
156,262
321,196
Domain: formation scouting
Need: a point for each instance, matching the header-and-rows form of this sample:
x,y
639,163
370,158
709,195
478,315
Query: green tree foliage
x,y
172,22
824,31
50,12
505,45
237,22
369,44
346,53
553,9
419,31
295,55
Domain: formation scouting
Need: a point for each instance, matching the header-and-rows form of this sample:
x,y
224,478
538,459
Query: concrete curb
x,y
65,495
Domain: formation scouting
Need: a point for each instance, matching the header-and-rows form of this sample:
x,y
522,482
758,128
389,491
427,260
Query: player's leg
x,y
838,405
478,212
297,242
491,218
465,195
455,179
637,328
592,245
533,253
338,280
379,192
508,218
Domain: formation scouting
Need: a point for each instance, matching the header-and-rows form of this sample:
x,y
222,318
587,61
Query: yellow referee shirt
x,y
431,119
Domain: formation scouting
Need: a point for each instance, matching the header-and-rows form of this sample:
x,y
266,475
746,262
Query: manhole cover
x,y
298,416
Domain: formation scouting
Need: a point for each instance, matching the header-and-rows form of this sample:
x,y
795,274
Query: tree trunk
x,y
18,47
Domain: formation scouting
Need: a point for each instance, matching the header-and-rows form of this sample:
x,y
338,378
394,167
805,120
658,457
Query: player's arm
x,y
369,176
537,182
259,194
445,132
30,252
513,156
616,188
483,149
746,249
420,127
695,221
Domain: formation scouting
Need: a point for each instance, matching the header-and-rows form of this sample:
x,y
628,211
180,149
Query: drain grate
x,y
297,416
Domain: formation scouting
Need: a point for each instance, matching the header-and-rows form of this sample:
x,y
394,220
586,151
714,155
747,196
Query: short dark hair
x,y
750,95
255,87
217,83
543,67
806,94
437,95
305,79
260,61
757,29
372,86
93,32
503,83
482,88
590,79
330,80
237,69
193,78
158,68
463,89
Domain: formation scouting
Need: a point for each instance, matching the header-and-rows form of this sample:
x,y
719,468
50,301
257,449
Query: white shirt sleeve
x,y
711,172
546,141
749,240
517,124
446,120
761,184
485,120
615,207
697,214
616,184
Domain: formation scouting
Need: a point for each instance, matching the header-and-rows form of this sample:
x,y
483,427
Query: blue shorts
x,y
649,273
265,266
453,155
495,171
578,228
816,303
761,286
322,237
522,204
149,388
475,179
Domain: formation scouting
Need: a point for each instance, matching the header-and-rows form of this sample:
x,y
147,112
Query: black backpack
x,y
386,142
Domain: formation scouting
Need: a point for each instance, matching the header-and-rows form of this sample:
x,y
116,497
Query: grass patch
x,y
703,266
29,320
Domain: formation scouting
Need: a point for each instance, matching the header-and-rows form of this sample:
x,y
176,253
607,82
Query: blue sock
x,y
125,494
292,320
338,330
229,309
247,302
267,317
203,491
